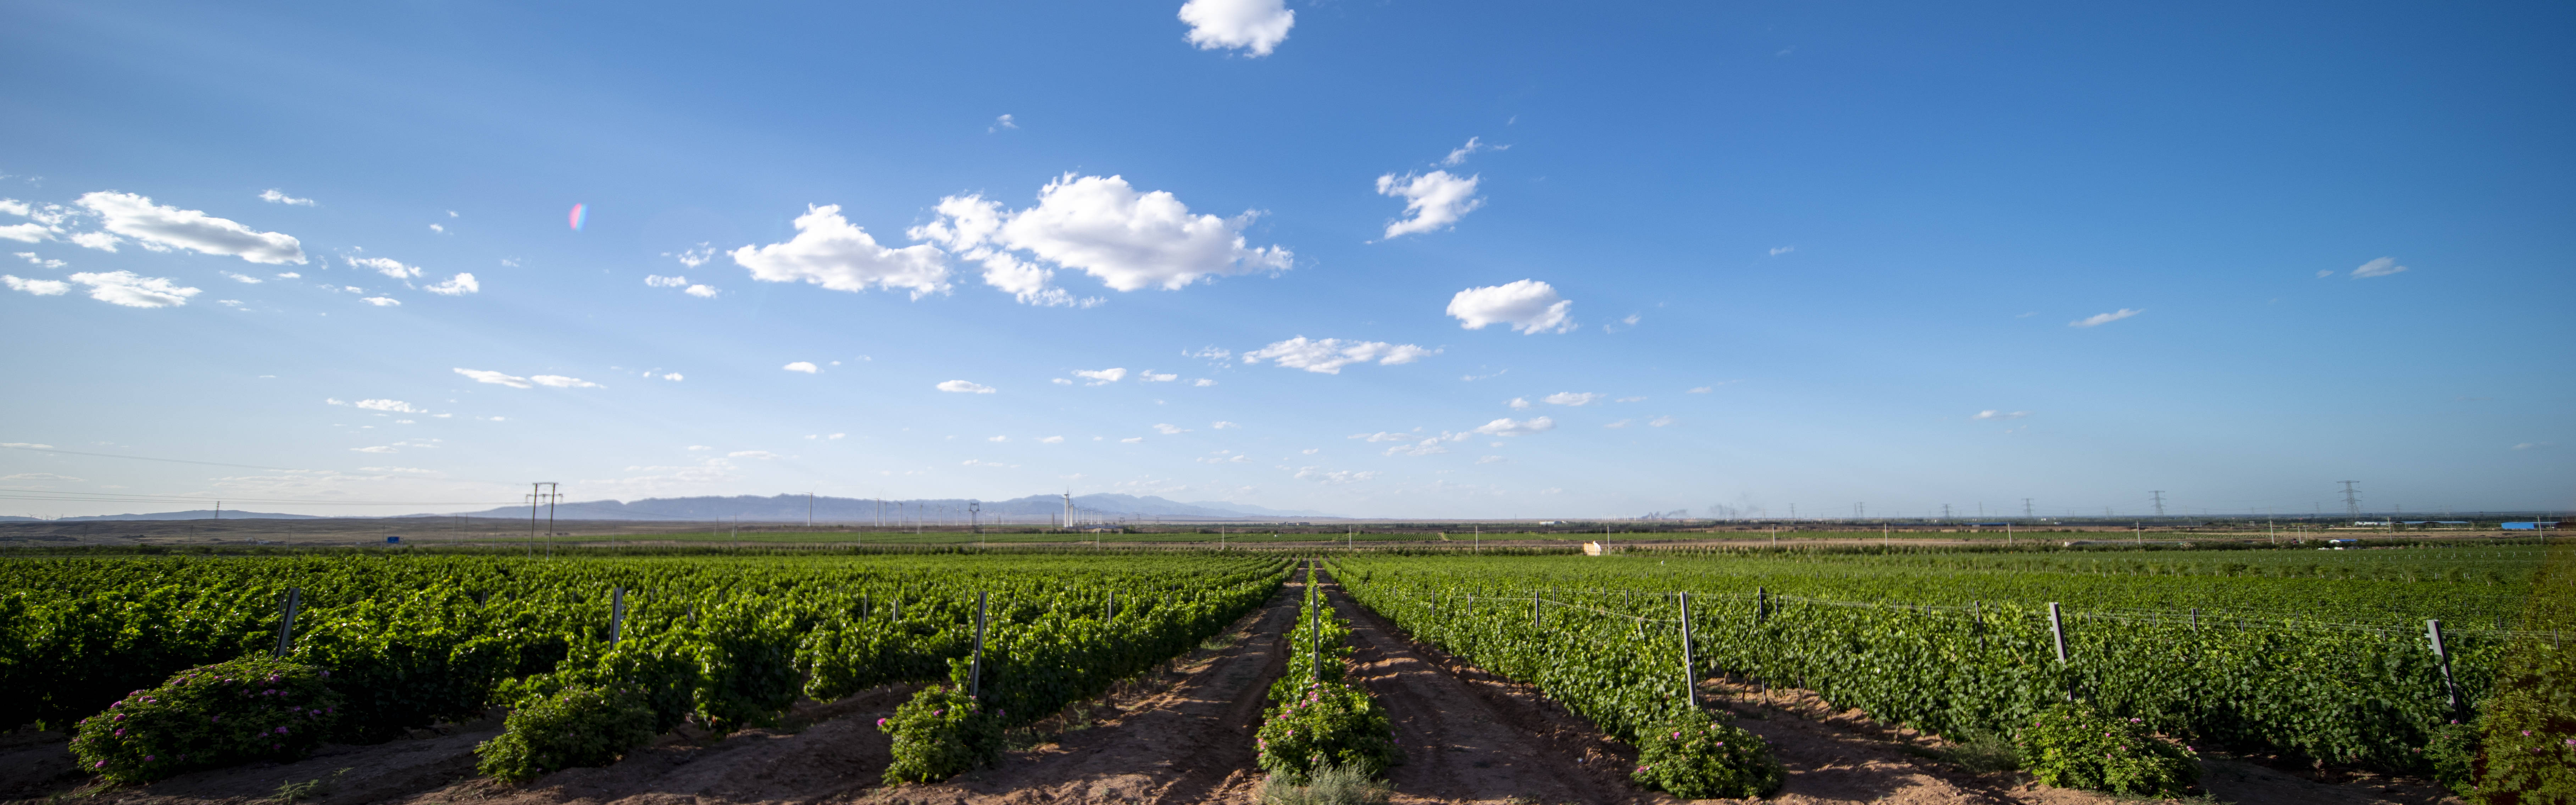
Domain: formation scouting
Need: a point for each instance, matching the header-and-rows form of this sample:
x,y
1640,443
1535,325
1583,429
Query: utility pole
x,y
809,511
2160,502
975,516
2351,501
2025,508
1945,510
551,497
532,517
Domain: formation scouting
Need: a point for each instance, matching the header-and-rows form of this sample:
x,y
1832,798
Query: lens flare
x,y
579,212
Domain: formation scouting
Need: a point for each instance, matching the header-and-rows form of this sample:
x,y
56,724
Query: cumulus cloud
x,y
964,387
1572,398
382,301
1051,440
242,278
1257,26
1781,250
1169,430
998,439
459,285
389,406
1324,476
1131,440
136,217
1993,414
1458,156
1100,226
376,449
37,287
100,240
39,262
1427,446
673,377
2377,268
1660,421
659,281
830,251
1100,377
28,233
1518,403
1202,382
125,288
1223,425
494,378
1059,381
562,382
1621,423
1434,200
1148,376
387,267
1699,390
276,196
2099,319
807,367
1329,355
1529,306
701,291
762,455
1515,427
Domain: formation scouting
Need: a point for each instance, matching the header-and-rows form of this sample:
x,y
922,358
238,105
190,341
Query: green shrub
x,y
249,709
2070,746
2452,754
1326,785
1694,756
579,726
1325,724
2529,752
939,734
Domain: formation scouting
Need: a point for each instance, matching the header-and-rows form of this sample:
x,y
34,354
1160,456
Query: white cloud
x,y
1993,414
1101,376
1491,459
438,228
1620,424
124,288
28,233
375,449
39,476
1217,355
242,278
15,207
837,436
40,262
389,406
37,287
2530,446
1458,156
1572,398
1630,399
2377,268
807,367
2324,273
1383,436
495,378
1529,306
562,382
1660,421
1514,427
1202,382
390,268
1149,377
973,462
999,439
1254,25
2099,319
673,377
1518,403
289,275
1329,355
1321,475
964,387
701,291
1169,430
382,301
276,196
1052,440
659,281
1781,250
1003,122
459,285
1427,446
136,217
830,251
1131,440
1435,200
762,455
1699,390
695,447
97,240
1100,226
1059,381
1223,425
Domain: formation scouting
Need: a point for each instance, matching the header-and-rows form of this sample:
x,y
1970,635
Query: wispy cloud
x,y
495,378
1514,427
807,367
2099,319
276,196
1993,414
1572,398
1328,356
964,387
2377,268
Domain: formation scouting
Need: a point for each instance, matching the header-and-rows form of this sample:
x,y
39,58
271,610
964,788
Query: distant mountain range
x,y
199,514
795,508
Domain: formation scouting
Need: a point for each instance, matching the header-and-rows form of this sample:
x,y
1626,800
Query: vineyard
x,y
2358,658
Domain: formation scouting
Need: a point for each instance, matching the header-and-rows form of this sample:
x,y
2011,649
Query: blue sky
x,y
1750,255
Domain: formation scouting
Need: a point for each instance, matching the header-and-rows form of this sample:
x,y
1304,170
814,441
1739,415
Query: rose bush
x,y
940,733
2072,746
578,726
248,709
1695,756
1325,724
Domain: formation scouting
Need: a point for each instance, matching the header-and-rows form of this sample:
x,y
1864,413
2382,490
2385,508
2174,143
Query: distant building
x,y
2551,525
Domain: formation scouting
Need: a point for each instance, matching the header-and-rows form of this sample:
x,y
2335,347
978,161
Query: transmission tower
x,y
2351,501
2160,502
2025,508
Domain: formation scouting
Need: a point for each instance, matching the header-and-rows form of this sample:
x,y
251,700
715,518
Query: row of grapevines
x,y
1603,637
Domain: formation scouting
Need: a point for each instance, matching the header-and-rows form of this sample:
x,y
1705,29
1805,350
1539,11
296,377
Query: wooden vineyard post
x,y
1113,605
1761,605
286,625
975,669
616,614
1314,621
2057,636
1536,620
2433,629
1690,670
1977,618
2195,620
